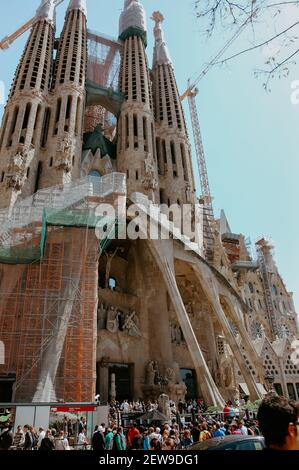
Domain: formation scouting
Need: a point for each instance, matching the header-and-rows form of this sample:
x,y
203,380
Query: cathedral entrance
x,y
114,379
123,381
189,378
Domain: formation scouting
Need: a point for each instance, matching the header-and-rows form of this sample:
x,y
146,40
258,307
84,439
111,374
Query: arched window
x,y
95,173
275,290
112,283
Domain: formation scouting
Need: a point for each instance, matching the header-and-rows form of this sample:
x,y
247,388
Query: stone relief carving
x,y
149,181
112,324
150,373
114,319
170,376
226,373
17,168
63,160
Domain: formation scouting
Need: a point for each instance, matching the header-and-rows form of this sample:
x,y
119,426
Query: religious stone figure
x,y
150,373
63,159
131,324
149,181
112,320
16,172
170,376
102,313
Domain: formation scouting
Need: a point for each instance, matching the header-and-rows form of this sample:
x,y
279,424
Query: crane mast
x,y
202,167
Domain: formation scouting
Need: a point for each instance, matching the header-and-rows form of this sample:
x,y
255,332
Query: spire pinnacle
x,y
46,10
161,53
78,5
132,17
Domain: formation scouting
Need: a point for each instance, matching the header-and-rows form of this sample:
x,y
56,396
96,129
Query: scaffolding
x,y
103,71
48,307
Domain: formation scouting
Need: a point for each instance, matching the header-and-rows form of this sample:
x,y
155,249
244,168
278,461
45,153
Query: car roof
x,y
217,441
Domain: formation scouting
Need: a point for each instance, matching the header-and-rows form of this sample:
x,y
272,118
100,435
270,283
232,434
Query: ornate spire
x,y
132,17
161,53
78,5
46,10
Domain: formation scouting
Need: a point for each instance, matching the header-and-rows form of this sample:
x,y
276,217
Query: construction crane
x,y
8,40
191,93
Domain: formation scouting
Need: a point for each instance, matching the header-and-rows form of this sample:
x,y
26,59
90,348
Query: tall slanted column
x,y
65,130
136,135
173,148
20,135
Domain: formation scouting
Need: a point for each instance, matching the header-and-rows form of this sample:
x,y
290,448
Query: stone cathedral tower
x,y
20,140
64,119
173,148
136,143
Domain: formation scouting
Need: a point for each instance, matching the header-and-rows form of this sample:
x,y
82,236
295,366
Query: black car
x,y
235,442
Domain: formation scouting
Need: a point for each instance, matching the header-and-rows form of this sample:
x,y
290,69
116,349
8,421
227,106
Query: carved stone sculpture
x,y
170,376
63,160
149,181
102,314
131,324
112,320
150,373
16,172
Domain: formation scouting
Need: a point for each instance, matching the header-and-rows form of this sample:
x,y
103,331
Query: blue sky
x,y
251,138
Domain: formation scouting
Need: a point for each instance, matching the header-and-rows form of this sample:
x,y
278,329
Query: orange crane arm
x,y
8,40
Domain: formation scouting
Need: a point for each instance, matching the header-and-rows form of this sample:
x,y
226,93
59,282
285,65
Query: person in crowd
x,y
169,444
61,442
47,442
28,442
195,432
155,445
133,431
218,431
41,436
227,431
204,432
226,411
124,407
242,428
82,424
137,443
187,439
82,440
118,441
235,430
278,420
145,440
109,439
19,438
34,435
255,428
98,439
6,436
102,428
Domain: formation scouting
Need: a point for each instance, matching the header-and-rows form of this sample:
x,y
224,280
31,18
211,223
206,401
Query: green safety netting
x,y
30,251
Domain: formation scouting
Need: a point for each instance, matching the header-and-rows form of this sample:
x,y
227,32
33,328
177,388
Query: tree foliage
x,y
273,28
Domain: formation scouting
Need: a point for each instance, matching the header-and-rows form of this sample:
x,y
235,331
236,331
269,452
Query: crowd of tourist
x,y
277,420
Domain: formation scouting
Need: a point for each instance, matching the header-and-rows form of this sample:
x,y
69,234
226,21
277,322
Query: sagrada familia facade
x,y
122,317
